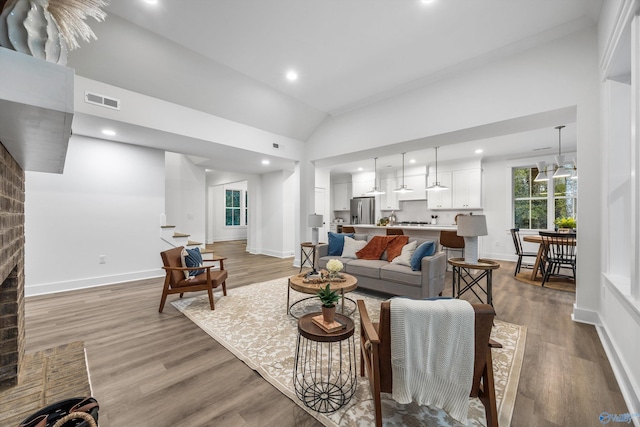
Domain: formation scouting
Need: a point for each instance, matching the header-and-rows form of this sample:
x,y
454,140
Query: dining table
x,y
536,238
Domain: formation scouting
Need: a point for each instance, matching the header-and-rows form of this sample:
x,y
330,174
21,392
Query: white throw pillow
x,y
405,256
351,246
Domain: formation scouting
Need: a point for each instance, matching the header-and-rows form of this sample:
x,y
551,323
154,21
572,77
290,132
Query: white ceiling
x,y
348,53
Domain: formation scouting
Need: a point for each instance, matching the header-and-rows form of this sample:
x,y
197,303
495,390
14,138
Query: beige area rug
x,y
46,377
269,347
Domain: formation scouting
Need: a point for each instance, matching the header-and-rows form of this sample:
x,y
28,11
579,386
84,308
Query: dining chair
x,y
515,234
559,253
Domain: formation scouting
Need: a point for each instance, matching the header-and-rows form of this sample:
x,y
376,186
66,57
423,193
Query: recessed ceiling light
x,y
412,161
109,132
266,162
292,76
479,150
151,1
427,1
360,169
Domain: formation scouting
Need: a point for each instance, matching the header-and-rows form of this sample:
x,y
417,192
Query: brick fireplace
x,y
12,333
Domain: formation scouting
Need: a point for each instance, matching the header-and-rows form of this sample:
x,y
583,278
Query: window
x,y
232,208
529,199
533,206
565,195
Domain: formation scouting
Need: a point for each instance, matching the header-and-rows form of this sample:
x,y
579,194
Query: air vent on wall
x,y
104,101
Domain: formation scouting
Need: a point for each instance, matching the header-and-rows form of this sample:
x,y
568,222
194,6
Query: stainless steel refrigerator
x,y
363,210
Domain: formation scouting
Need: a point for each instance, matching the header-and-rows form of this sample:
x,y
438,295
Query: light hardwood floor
x,y
159,369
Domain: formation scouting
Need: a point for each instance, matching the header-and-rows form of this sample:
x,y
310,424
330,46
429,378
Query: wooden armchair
x,y
175,282
375,357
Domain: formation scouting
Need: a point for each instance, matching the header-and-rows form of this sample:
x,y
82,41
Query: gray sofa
x,y
380,275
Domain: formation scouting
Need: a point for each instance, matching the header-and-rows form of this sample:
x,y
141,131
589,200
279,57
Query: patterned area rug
x,y
264,337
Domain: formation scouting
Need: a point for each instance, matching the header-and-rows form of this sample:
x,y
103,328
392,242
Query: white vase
x,y
26,26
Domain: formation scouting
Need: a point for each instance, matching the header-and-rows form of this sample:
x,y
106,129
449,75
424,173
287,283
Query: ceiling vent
x,y
104,101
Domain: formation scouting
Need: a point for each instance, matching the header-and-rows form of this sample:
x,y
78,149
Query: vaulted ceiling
x,y
229,57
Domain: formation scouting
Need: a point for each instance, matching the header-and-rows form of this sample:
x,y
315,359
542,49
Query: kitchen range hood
x,y
36,110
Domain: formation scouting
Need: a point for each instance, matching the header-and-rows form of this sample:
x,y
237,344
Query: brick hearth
x,y
12,334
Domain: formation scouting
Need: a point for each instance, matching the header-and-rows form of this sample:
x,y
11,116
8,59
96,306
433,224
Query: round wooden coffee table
x,y
297,283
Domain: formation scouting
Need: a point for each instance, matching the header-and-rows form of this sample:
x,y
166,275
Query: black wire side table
x,y
464,280
325,373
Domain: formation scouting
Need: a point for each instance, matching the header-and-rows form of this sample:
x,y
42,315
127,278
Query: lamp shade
x,y
472,225
315,220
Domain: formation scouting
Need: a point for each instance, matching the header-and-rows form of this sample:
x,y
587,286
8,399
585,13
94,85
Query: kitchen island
x,y
426,231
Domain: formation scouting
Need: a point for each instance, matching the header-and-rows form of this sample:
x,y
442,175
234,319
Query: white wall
x,y
277,214
185,196
108,201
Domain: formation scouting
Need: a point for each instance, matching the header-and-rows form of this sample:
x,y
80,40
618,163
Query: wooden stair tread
x,y
176,234
206,251
192,243
167,226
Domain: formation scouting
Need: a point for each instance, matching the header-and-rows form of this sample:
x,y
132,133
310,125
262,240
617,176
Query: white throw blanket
x,y
432,353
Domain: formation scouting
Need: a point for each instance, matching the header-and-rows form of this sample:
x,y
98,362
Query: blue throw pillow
x,y
428,248
192,258
336,243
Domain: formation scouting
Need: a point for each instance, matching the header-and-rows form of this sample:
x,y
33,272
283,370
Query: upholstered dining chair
x,y
375,357
559,252
515,234
176,283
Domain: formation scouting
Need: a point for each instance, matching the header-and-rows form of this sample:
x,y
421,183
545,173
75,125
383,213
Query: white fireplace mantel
x,y
36,110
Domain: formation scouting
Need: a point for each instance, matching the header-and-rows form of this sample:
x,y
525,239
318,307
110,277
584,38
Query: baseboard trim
x,y
91,282
624,382
589,317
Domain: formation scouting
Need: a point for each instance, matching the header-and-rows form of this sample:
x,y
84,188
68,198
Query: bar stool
x,y
395,232
450,241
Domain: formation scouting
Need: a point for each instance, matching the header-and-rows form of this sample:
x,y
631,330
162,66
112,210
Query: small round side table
x,y
325,372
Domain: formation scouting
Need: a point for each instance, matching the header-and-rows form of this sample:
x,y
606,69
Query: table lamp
x,y
470,227
315,222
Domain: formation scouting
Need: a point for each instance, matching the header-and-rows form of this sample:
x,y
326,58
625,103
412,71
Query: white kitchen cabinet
x,y
389,200
341,196
467,189
439,199
359,188
415,182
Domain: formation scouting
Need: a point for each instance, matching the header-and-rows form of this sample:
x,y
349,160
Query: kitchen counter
x,y
425,230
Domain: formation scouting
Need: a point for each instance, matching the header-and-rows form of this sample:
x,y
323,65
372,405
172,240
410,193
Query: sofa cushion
x,y
336,243
352,246
405,255
401,274
322,261
375,247
428,248
394,249
365,267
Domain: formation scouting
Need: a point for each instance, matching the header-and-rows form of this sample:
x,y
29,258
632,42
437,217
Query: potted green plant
x,y
566,223
328,298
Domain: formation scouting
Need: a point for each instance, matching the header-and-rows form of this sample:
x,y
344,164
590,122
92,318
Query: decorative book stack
x,y
328,327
